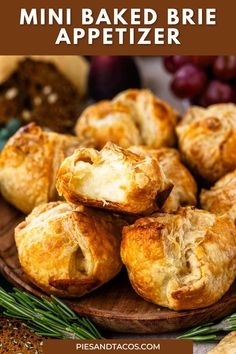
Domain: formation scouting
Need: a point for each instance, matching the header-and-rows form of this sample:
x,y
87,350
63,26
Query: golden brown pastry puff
x,y
184,191
29,163
67,250
221,198
226,346
114,179
134,117
108,121
207,139
185,260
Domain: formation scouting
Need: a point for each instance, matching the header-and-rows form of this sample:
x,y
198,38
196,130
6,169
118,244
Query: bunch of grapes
x,y
204,80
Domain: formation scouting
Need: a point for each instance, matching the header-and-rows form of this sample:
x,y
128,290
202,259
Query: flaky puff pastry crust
x,y
226,346
184,191
67,250
29,163
221,197
134,117
185,260
207,140
108,121
114,179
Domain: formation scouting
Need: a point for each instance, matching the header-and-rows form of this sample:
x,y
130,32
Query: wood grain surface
x,y
115,306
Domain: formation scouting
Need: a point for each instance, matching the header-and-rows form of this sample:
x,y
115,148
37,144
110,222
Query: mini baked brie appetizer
x,y
67,250
226,346
185,260
207,140
108,121
134,117
114,179
184,191
221,197
29,163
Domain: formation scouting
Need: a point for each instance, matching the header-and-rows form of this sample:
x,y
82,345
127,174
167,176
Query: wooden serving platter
x,y
115,306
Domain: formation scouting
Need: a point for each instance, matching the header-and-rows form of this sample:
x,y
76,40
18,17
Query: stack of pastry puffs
x,y
119,192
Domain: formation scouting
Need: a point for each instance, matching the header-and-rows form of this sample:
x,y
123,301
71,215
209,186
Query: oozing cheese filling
x,y
103,182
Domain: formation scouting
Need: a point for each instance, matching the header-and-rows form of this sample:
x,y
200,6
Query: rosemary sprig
x,y
47,318
211,332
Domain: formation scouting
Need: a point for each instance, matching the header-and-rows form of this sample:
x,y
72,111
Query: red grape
x,y
111,74
188,81
203,60
225,67
202,79
173,62
218,92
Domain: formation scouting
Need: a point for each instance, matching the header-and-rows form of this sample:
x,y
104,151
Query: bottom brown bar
x,y
118,346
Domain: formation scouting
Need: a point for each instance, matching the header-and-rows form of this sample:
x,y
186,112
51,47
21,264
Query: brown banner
x,y
118,346
189,21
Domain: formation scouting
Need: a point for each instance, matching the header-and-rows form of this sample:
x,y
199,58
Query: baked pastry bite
x,y
207,140
113,178
221,197
108,121
182,261
29,163
155,118
67,250
226,346
184,191
134,117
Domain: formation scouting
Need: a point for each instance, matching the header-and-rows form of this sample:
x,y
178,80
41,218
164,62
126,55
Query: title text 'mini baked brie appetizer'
x,y
184,191
67,250
221,197
134,117
29,163
207,140
114,179
184,260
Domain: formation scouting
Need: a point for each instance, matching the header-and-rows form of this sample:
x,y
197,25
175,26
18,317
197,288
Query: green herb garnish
x,y
47,318
211,332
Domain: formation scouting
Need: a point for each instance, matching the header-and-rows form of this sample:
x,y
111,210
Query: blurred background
x,y
203,80
54,90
